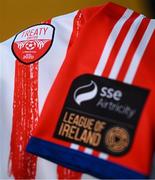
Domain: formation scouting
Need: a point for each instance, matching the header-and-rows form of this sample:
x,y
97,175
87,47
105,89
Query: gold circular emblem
x,y
117,139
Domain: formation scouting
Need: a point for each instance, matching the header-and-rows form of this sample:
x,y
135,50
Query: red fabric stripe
x,y
81,148
118,44
96,153
25,118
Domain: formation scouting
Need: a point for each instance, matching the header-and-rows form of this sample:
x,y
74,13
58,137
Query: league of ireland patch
x,y
101,114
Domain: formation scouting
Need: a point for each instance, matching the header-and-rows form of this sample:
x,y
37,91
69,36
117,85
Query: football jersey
x,y
99,114
29,64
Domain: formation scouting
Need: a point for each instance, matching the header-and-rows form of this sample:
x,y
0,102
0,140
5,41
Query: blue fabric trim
x,y
79,161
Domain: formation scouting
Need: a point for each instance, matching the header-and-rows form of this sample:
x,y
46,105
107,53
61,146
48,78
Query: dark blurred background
x,y
16,15
152,7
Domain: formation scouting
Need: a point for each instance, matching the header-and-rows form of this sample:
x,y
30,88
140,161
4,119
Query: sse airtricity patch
x,y
101,114
33,43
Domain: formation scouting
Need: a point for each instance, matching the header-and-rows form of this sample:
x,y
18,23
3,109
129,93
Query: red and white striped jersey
x,y
29,64
99,114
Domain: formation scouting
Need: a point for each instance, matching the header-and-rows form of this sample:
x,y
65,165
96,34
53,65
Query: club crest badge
x,y
33,43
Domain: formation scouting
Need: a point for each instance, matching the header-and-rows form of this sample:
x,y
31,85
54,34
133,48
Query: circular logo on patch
x,y
33,43
117,139
30,45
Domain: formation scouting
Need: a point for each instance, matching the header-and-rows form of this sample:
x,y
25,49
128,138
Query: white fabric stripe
x,y
74,146
53,60
124,47
103,156
111,40
88,150
139,52
7,73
